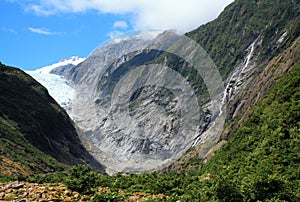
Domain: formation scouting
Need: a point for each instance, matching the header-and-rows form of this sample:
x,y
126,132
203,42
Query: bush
x,y
82,179
109,196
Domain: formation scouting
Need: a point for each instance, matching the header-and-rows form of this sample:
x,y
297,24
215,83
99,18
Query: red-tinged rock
x,y
7,191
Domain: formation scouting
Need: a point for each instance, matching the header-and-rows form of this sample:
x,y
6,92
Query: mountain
x,y
123,141
37,135
133,109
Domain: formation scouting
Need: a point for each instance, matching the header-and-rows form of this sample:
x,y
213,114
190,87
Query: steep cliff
x,y
262,154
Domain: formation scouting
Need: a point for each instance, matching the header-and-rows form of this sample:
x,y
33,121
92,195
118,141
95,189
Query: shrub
x,y
82,178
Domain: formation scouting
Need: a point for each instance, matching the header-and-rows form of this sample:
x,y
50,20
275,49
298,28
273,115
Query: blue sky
x,y
36,33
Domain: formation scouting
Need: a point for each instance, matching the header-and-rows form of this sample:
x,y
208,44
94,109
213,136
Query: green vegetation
x,y
81,178
263,156
227,38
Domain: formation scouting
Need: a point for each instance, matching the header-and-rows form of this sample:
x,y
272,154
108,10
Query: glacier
x,y
58,87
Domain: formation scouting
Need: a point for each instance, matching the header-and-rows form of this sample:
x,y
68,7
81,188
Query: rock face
x,y
241,104
138,114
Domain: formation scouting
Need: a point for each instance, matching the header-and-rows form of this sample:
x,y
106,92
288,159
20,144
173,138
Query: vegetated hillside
x,y
272,24
36,134
263,155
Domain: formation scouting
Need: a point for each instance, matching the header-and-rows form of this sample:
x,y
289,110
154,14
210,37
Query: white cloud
x,y
43,31
182,15
114,34
5,29
120,24
39,10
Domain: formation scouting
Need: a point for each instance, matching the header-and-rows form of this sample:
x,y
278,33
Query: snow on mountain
x,y
57,86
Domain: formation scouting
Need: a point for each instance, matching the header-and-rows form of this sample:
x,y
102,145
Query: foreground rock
x,y
25,191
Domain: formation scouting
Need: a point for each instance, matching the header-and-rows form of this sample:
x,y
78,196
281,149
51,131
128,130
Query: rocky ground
x,y
25,192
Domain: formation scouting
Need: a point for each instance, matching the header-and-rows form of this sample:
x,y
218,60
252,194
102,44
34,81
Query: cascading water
x,y
231,87
236,77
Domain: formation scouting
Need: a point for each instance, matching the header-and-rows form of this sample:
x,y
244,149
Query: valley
x,y
210,115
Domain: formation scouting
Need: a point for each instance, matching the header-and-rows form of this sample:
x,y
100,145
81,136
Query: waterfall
x,y
212,132
236,76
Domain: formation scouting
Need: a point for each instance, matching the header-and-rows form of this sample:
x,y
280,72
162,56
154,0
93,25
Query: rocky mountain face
x,y
144,100
36,134
138,114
